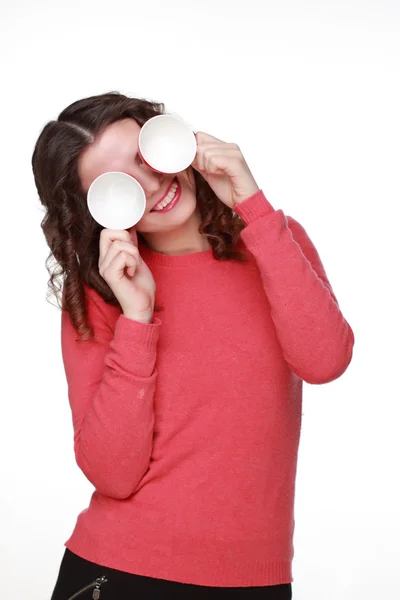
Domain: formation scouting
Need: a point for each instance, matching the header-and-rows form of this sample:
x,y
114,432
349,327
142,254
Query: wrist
x,y
249,194
144,317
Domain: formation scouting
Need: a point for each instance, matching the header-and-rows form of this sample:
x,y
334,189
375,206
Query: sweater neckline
x,y
204,257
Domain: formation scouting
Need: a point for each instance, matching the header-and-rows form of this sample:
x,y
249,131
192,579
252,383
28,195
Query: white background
x,y
310,91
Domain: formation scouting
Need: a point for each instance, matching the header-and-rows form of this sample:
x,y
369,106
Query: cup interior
x,y
167,144
116,200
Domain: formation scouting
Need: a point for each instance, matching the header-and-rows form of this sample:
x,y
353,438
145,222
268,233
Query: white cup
x,y
116,200
167,144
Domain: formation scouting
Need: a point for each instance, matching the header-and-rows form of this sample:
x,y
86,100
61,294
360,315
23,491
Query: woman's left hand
x,y
224,168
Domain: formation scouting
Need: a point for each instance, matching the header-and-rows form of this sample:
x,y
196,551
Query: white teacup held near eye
x,y
166,144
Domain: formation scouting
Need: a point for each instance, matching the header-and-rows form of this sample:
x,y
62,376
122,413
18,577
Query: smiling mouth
x,y
169,196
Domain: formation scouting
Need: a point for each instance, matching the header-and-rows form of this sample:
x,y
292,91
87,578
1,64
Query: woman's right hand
x,y
131,280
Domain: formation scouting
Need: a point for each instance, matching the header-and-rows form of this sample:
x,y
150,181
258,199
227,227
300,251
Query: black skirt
x,y
77,574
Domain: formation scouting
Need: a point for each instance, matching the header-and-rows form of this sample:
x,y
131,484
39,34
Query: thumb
x,y
196,166
133,234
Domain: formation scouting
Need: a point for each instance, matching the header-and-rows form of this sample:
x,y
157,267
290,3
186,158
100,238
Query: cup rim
x,y
138,186
175,118
115,172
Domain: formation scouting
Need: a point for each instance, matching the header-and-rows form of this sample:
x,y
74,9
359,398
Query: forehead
x,y
113,150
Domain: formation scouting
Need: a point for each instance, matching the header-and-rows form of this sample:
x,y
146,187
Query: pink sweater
x,y
188,427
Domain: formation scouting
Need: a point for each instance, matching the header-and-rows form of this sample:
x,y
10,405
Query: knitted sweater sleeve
x,y
111,384
316,340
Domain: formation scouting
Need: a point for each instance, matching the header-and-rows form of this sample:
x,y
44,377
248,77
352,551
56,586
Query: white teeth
x,y
168,197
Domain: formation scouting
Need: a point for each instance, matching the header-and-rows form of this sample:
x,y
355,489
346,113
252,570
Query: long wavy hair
x,y
70,230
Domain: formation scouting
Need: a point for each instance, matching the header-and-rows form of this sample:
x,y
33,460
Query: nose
x,y
150,181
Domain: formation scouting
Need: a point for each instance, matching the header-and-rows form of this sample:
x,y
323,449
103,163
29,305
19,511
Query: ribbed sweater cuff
x,y
139,341
253,207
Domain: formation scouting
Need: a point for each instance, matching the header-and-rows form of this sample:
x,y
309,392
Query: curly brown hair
x,y
70,230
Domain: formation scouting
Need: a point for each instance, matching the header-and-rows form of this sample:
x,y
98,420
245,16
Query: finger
x,y
217,162
198,162
116,248
116,269
196,166
202,138
133,234
210,158
108,236
213,144
212,148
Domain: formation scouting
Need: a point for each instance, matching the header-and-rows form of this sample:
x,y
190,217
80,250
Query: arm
x,y
111,385
316,340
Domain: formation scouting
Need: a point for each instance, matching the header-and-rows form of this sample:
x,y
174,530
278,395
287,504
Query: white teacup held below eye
x,y
116,200
167,144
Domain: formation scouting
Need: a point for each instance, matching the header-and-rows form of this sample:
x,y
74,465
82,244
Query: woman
x,y
185,343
